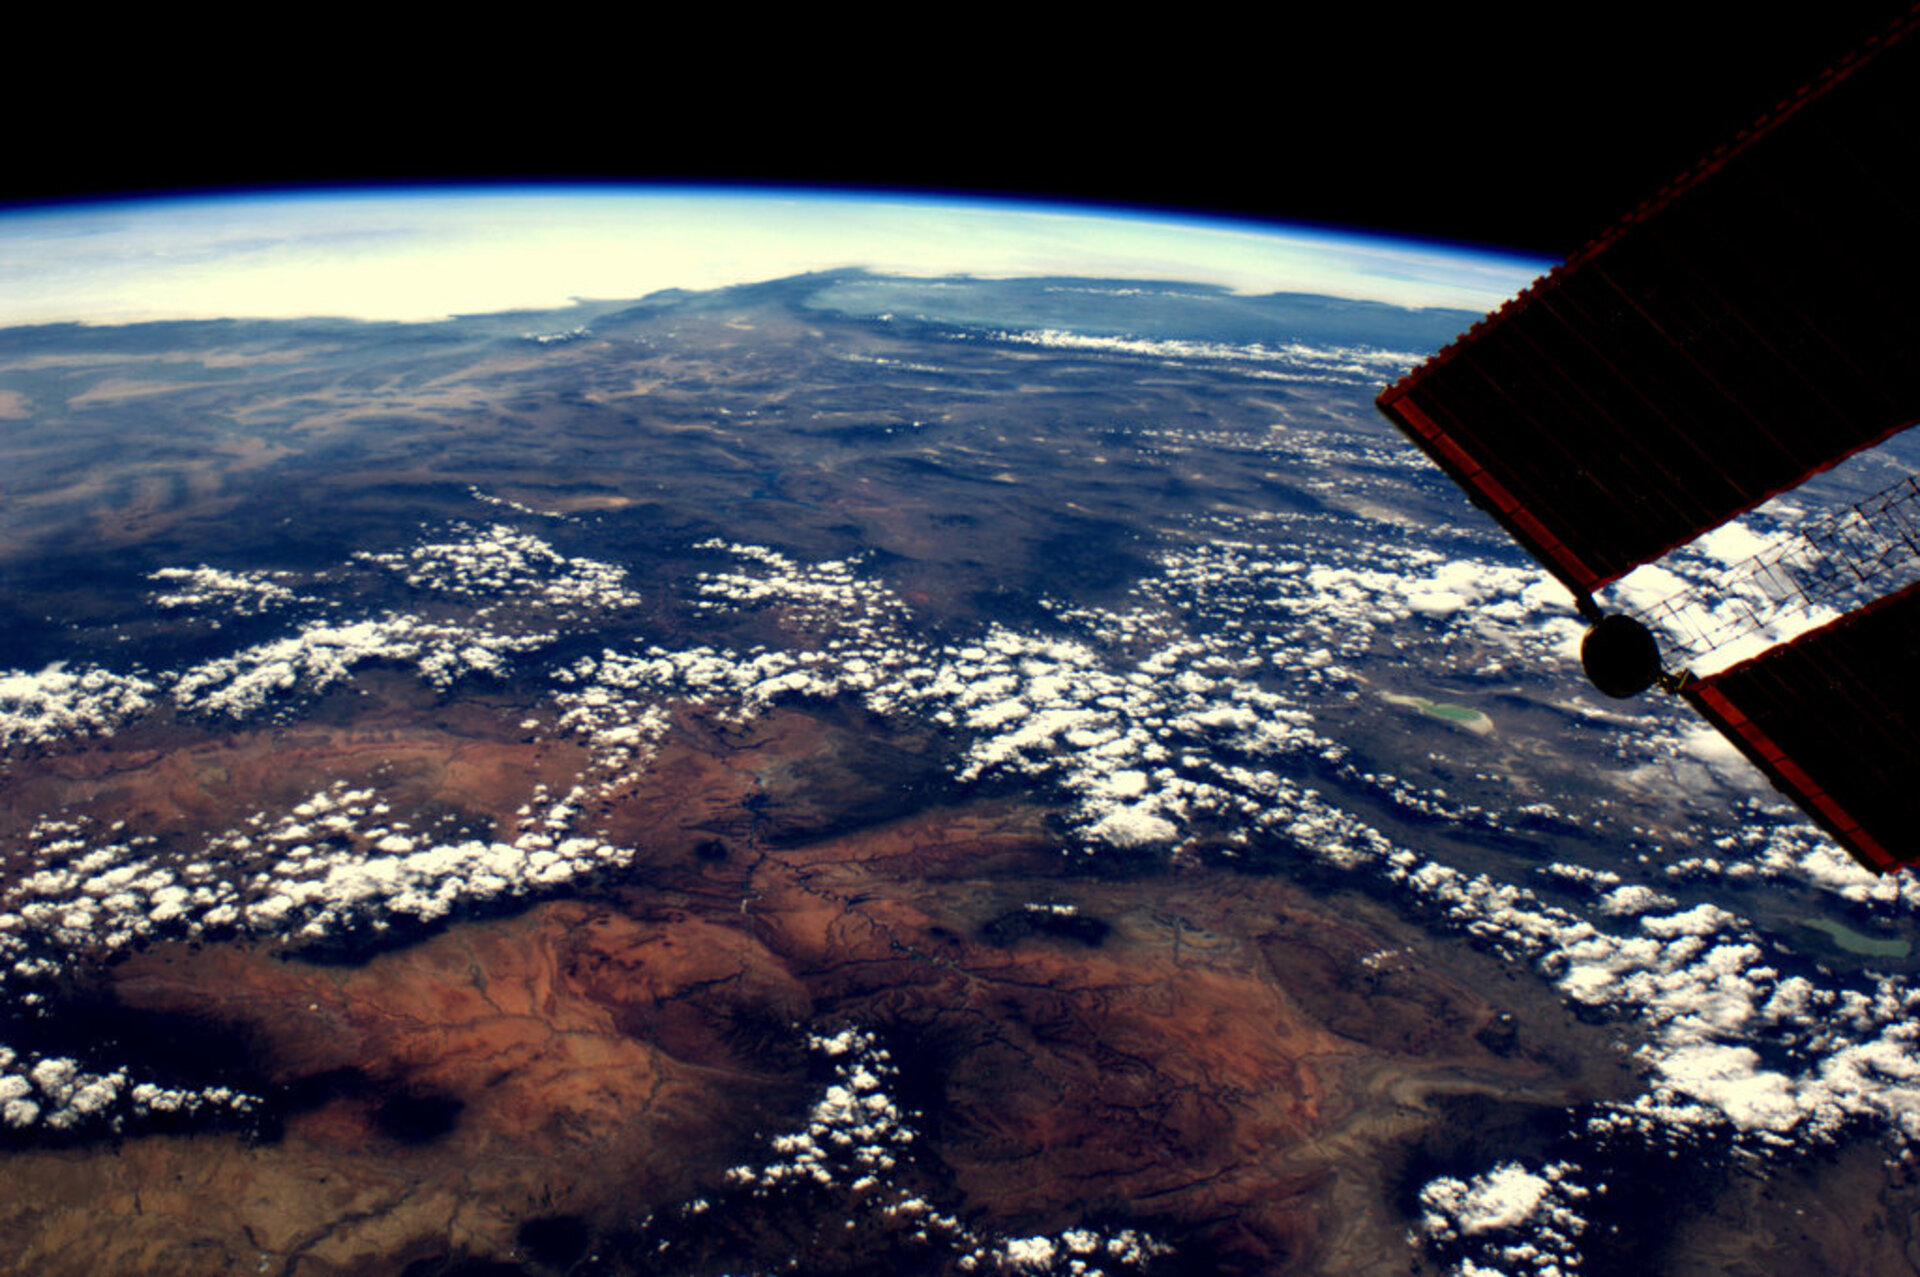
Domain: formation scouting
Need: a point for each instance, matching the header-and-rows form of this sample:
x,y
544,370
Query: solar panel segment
x,y
1748,327
1833,719
1752,324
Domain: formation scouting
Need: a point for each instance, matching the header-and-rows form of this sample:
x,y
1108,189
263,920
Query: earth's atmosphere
x,y
853,773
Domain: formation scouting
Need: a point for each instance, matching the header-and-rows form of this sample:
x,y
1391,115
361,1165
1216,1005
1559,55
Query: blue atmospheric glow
x,y
421,253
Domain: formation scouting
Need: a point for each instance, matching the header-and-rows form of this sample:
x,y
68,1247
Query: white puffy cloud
x,y
323,654
334,864
502,568
56,1093
57,704
1292,361
234,592
1527,1222
858,1143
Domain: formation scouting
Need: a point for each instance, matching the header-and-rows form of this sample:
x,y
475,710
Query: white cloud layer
x,y
858,1143
56,704
1525,1222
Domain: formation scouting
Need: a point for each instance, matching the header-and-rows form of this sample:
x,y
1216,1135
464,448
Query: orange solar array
x,y
1757,321
1833,718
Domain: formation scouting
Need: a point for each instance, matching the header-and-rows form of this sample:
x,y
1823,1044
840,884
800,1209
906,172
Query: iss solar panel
x,y
1833,718
1750,325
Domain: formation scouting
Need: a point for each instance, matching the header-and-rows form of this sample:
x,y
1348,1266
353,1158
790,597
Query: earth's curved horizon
x,y
384,253
914,763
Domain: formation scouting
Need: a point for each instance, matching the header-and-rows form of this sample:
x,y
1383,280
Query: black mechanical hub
x,y
1620,656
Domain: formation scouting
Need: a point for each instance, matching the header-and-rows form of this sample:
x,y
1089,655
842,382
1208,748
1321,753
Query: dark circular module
x,y
1621,656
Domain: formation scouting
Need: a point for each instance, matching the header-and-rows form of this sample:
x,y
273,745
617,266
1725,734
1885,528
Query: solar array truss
x,y
1838,562
1752,324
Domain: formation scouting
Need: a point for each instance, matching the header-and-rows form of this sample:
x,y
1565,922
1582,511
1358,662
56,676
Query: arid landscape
x,y
788,780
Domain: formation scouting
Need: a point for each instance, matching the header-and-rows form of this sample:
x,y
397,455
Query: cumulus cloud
x,y
334,865
336,861
233,592
57,1094
517,585
501,568
1293,361
57,704
323,654
1525,1222
857,1145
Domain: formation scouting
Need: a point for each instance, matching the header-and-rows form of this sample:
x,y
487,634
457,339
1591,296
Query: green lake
x,y
1854,942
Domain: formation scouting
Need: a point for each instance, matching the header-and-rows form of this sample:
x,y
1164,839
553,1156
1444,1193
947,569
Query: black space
x,y
1529,127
